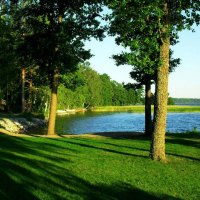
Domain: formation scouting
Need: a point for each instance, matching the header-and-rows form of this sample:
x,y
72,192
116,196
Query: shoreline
x,y
96,135
141,108
14,124
18,125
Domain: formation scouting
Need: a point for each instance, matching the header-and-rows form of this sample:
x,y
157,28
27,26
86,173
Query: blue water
x,y
112,122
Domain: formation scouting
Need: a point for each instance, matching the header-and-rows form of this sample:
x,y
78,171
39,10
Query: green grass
x,y
118,109
97,168
141,109
183,108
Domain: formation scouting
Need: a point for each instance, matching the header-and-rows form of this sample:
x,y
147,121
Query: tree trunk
x,y
53,104
148,120
157,151
23,90
154,106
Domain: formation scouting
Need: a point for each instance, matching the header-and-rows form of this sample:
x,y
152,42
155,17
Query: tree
x,y
7,56
107,92
153,24
55,41
174,17
119,94
147,80
93,86
142,77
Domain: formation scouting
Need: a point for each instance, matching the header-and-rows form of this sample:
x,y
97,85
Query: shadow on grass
x,y
74,141
184,156
32,169
122,135
112,144
192,140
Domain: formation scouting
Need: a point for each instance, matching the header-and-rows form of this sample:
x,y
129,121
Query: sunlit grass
x,y
119,109
99,168
183,108
141,109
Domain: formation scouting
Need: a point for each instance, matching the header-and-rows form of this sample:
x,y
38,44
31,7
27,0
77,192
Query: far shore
x,y
140,108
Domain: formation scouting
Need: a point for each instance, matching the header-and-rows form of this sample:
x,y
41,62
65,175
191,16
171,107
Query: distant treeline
x,y
86,88
186,101
83,88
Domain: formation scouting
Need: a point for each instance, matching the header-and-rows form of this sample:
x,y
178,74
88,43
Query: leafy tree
x,y
86,88
119,94
142,77
7,56
94,87
55,41
107,92
134,93
147,28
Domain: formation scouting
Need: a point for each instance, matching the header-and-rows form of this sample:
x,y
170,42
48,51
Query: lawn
x,y
98,168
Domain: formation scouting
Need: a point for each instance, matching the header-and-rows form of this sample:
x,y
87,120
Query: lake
x,y
124,121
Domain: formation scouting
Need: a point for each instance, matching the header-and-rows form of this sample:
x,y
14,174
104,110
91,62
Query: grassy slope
x,y
141,109
97,168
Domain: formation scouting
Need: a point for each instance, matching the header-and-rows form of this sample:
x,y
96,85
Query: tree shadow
x,y
111,144
184,156
123,135
174,141
122,191
38,170
192,140
74,141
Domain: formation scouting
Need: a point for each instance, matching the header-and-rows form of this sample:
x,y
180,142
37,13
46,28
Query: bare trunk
x,y
148,121
157,151
23,90
53,104
154,106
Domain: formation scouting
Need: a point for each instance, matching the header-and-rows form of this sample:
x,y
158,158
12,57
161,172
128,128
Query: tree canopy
x,y
147,29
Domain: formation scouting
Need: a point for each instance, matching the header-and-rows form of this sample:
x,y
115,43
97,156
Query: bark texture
x,y
157,151
53,104
148,120
23,90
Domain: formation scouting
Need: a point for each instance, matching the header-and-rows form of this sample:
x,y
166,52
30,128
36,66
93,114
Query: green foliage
x,y
107,90
170,101
65,97
97,168
39,100
94,87
86,88
56,31
138,27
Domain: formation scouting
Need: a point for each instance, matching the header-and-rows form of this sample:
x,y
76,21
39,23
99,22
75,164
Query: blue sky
x,y
183,83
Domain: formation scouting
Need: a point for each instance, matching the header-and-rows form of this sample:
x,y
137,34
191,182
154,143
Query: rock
x,y
21,125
